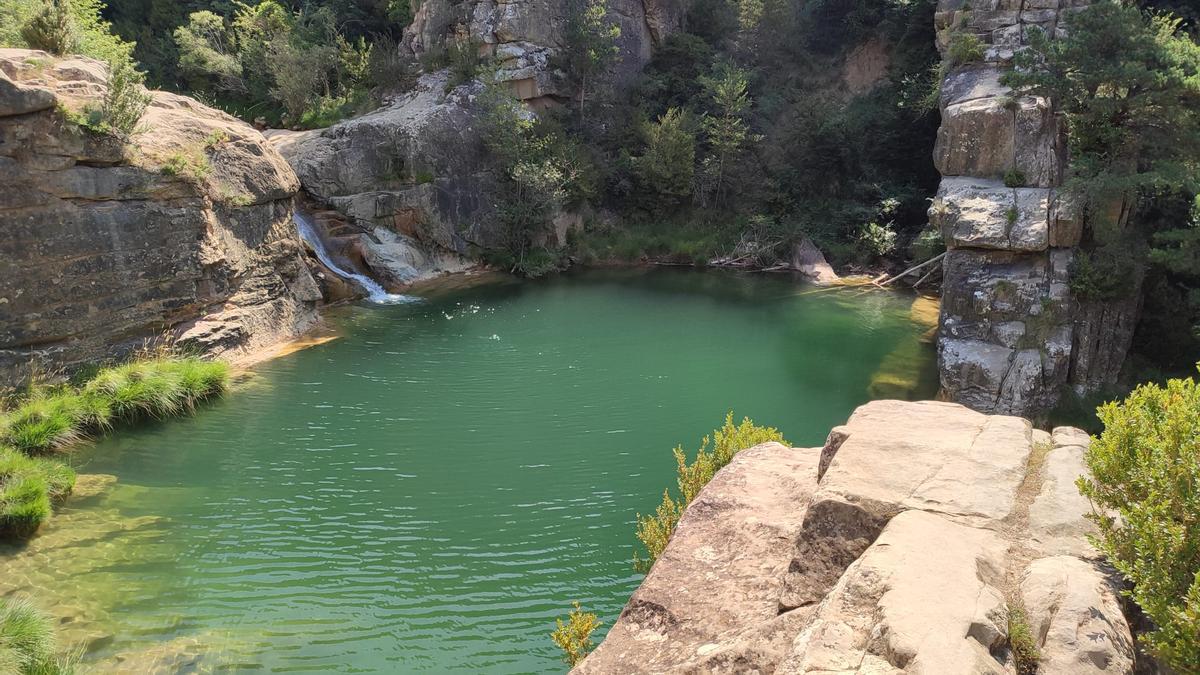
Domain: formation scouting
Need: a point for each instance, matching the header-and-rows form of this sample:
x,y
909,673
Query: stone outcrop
x,y
524,36
1012,336
898,547
409,178
186,230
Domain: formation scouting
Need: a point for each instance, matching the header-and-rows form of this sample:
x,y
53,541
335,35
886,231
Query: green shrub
x,y
965,48
126,99
1145,472
1014,178
575,636
463,60
877,240
655,531
1022,641
1011,215
51,29
194,166
27,641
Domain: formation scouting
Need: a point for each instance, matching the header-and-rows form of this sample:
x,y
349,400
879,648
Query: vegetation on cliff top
x,y
51,418
1146,472
654,531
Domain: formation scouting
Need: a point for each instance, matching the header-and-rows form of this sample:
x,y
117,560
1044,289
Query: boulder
x,y
893,456
924,598
105,248
808,260
975,213
414,167
1074,611
722,571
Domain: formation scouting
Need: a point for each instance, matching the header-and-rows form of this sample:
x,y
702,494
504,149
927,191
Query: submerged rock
x,y
187,229
897,548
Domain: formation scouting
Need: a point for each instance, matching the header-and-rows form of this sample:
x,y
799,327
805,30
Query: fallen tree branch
x,y
912,269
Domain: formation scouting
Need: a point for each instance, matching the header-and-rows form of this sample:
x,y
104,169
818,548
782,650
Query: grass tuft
x,y
27,641
52,418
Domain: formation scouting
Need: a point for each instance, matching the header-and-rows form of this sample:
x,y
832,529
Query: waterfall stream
x,y
375,293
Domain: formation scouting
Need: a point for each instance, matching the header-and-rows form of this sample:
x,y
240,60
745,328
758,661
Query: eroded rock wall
x,y
524,36
1011,335
899,547
104,246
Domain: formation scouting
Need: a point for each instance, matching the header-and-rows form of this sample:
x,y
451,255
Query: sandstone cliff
x,y
1012,336
899,547
187,229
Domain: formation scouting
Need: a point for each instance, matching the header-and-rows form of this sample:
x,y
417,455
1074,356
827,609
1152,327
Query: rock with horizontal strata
x,y
106,245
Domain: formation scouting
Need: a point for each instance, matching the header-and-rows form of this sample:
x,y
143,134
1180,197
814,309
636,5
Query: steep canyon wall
x,y
186,230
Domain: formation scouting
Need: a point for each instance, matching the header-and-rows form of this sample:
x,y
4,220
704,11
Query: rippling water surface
x,y
432,489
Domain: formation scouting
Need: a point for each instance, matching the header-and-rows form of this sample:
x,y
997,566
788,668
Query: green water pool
x,y
433,488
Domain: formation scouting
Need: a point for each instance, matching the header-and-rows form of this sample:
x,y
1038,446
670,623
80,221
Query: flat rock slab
x,y
924,596
893,456
722,571
1074,612
1058,521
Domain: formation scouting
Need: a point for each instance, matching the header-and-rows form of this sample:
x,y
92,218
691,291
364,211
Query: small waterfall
x,y
375,292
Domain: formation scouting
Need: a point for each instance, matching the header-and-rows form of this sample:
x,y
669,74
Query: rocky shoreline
x,y
901,546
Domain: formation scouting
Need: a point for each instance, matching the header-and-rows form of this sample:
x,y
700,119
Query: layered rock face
x,y
1011,334
185,230
524,36
899,547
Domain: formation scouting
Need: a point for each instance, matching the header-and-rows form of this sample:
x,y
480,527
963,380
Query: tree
x,y
726,130
1145,471
126,99
52,29
208,54
592,46
537,172
667,167
1129,84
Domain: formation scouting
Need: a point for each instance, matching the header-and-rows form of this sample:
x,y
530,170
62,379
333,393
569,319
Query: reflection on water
x,y
432,489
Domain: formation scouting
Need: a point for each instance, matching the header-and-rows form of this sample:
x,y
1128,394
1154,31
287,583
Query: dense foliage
x,y
654,531
1145,471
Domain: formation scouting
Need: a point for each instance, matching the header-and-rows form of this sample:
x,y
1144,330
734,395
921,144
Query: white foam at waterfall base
x,y
375,293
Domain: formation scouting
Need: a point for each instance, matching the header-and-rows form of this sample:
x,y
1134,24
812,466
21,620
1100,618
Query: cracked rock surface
x,y
899,547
